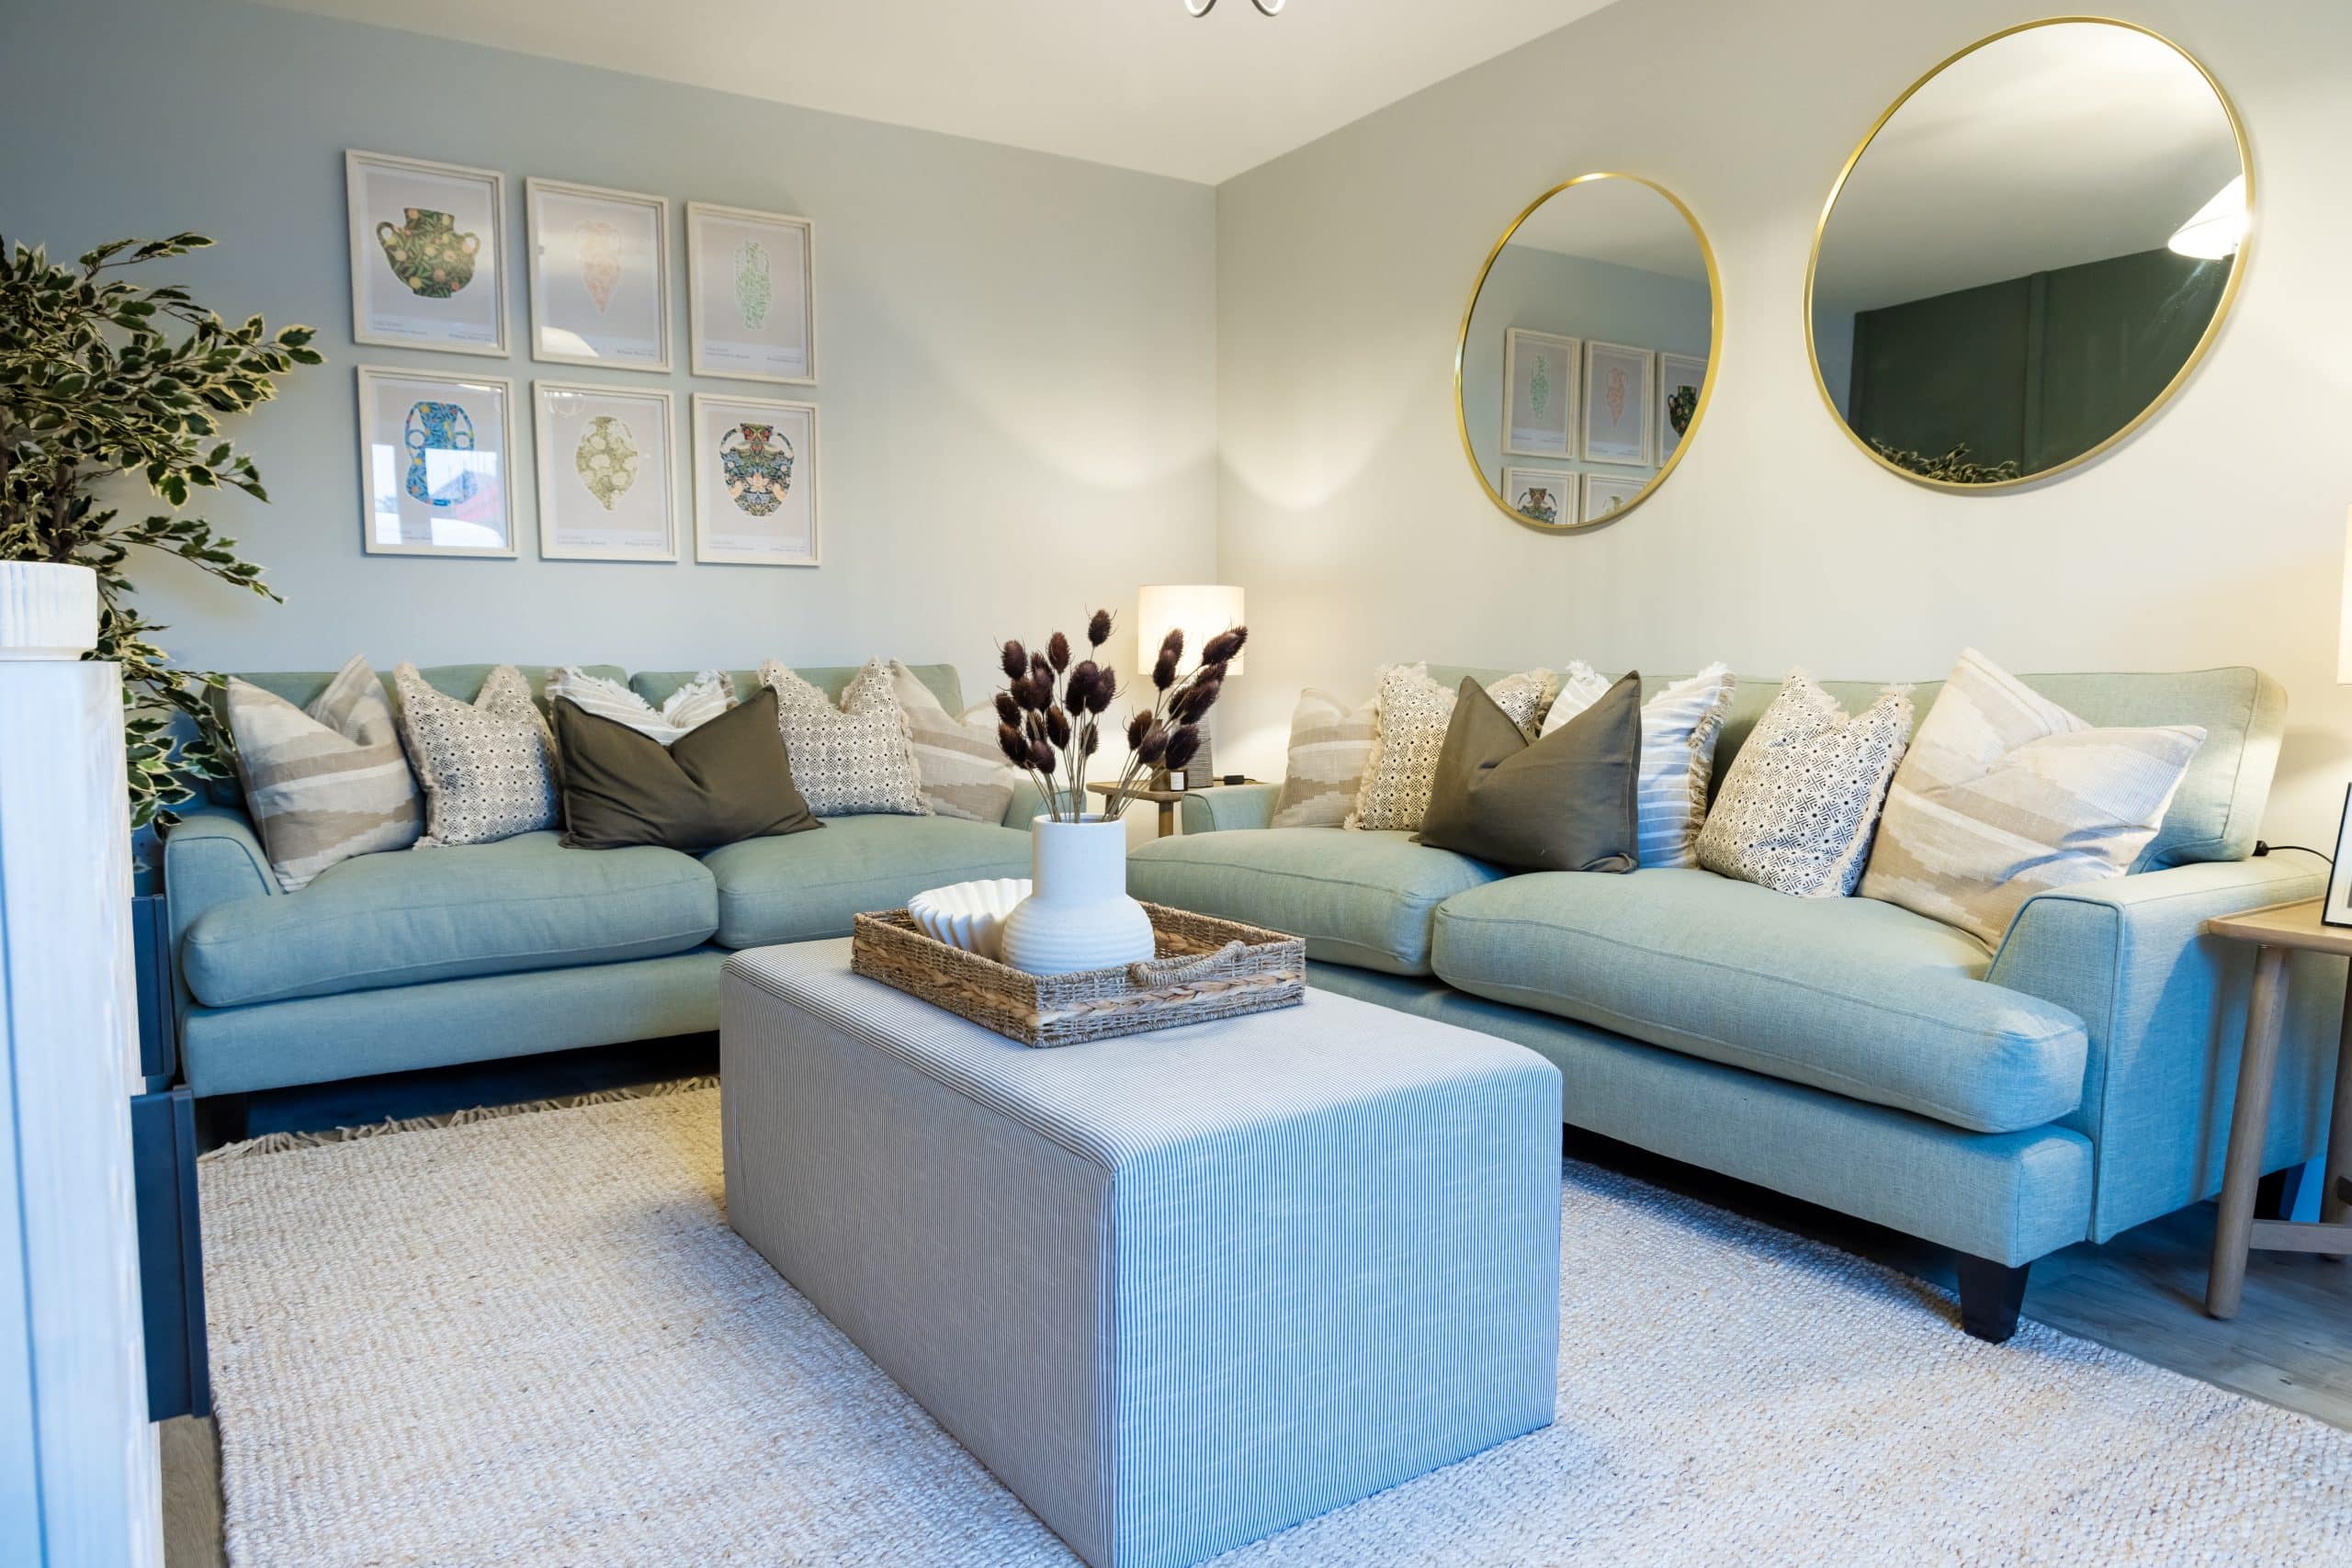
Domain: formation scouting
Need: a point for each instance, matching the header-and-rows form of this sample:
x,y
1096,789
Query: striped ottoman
x,y
1178,1291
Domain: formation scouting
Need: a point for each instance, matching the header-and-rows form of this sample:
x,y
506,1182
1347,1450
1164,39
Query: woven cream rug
x,y
533,1339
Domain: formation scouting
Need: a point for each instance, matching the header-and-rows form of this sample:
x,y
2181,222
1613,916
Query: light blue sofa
x,y
2072,1085
421,958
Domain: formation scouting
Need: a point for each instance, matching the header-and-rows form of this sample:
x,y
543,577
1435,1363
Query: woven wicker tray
x,y
1206,968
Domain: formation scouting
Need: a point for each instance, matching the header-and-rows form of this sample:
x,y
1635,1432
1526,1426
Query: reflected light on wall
x,y
2218,228
1199,609
2344,620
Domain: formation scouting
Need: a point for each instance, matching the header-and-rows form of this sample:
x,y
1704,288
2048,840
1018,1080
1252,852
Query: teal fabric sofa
x,y
2003,1104
421,958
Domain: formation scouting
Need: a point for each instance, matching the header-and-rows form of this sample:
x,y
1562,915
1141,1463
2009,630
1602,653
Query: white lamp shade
x,y
1199,609
2344,618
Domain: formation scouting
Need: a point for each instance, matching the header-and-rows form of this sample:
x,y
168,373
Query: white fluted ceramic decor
x,y
46,612
1079,915
969,915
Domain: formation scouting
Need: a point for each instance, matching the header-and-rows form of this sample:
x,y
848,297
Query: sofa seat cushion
x,y
807,886
1359,897
409,916
1849,995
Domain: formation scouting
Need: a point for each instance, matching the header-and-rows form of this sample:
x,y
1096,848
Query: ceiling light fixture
x,y
2216,230
1203,8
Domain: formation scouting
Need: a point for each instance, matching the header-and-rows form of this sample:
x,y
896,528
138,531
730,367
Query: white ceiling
x,y
1133,82
1621,221
2055,146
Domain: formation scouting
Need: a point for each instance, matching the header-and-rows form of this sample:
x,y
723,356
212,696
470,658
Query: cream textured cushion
x,y
327,781
852,761
488,766
1679,724
962,771
1797,808
2004,793
1413,712
699,701
1330,747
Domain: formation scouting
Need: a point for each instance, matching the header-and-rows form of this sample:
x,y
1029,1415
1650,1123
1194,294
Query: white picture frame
x,y
1607,494
1541,376
1618,379
433,482
1555,488
599,275
1676,371
607,472
2335,910
750,294
428,254
735,473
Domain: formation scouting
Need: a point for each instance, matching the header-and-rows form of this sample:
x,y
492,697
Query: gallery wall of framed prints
x,y
1618,412
439,447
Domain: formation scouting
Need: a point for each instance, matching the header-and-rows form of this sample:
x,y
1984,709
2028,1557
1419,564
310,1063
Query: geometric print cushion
x,y
1679,729
488,766
1796,811
2004,794
856,759
699,701
1330,747
327,781
1413,712
963,771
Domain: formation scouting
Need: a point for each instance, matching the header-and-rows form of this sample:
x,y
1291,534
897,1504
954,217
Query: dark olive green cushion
x,y
1563,803
721,782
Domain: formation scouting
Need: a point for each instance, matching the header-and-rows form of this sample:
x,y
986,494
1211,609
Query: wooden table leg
x,y
2333,1203
1167,819
2249,1125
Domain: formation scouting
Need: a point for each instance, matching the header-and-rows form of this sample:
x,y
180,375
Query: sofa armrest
x,y
2164,1005
211,857
1224,808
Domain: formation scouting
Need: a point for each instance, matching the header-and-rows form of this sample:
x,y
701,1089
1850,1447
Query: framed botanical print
x,y
750,294
1547,496
755,481
600,275
427,254
434,473
607,488
1680,378
1539,393
1605,493
1617,381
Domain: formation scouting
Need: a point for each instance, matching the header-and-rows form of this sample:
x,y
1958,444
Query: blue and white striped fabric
x,y
1178,1291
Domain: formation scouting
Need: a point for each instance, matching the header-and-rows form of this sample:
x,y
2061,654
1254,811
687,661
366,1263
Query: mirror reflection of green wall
x,y
2027,254
1582,370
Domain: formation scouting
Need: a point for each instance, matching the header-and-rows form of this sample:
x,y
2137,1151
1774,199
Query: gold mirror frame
x,y
2188,366
1706,388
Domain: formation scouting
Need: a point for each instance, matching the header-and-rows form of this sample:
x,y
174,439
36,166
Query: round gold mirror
x,y
1582,372
2028,254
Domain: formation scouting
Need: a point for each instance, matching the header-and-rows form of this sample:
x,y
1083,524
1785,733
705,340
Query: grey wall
x,y
1017,394
2214,536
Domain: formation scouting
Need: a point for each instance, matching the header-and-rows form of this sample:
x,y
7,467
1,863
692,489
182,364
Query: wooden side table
x,y
2278,931
1165,799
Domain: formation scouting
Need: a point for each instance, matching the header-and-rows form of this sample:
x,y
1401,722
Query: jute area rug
x,y
531,1339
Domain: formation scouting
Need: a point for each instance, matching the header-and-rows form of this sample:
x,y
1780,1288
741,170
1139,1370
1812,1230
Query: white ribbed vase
x,y
47,611
1079,916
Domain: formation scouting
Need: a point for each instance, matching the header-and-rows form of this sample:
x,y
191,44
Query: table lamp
x,y
1199,611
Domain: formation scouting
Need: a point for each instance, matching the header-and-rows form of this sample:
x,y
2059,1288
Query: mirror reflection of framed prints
x,y
1607,493
755,481
1680,377
599,276
427,243
1543,496
1617,381
1539,394
750,294
607,488
435,474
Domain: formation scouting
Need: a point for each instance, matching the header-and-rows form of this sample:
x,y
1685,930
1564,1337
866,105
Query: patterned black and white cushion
x,y
1804,794
851,760
1413,711
488,767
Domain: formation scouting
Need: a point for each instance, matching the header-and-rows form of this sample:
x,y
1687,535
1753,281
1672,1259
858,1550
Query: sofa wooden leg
x,y
1990,1294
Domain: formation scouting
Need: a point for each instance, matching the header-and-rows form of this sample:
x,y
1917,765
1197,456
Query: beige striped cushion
x,y
697,702
327,781
1330,747
963,772
2004,794
1679,729
1414,711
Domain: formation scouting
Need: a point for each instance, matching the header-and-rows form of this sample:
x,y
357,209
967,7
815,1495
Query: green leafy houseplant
x,y
100,376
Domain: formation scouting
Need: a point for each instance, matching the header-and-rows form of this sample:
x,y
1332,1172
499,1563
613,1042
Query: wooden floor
x,y
2142,1293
